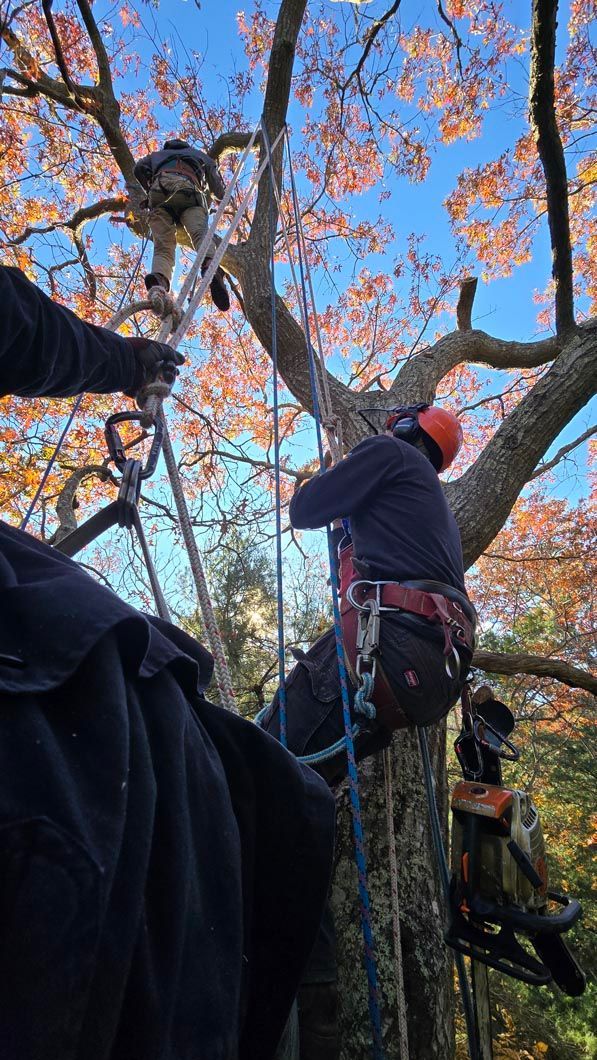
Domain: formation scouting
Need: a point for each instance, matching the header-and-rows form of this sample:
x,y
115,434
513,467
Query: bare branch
x,y
464,309
76,222
561,453
103,62
47,10
551,153
539,665
455,34
372,33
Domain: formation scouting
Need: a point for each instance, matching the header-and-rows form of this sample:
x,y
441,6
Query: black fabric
x,y
402,527
166,862
45,350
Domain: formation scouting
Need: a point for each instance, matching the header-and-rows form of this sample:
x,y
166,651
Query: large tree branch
x,y
97,101
484,496
101,55
275,107
539,665
230,142
551,153
418,378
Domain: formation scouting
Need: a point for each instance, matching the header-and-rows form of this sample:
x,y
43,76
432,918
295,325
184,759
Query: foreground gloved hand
x,y
153,358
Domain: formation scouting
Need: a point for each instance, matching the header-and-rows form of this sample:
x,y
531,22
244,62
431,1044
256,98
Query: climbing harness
x,y
499,892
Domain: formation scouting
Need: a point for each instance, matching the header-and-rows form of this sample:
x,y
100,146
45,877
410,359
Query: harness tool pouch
x,y
426,644
186,190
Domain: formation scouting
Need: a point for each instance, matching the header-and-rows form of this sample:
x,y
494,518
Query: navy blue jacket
x,y
163,863
401,525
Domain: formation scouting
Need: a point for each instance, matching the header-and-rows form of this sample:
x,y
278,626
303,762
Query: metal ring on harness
x,y
365,607
453,655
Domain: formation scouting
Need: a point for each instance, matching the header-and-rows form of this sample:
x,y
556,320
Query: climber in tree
x,y
403,550
180,182
164,864
400,547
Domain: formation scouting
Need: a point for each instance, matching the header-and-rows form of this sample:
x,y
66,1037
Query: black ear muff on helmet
x,y
404,424
405,427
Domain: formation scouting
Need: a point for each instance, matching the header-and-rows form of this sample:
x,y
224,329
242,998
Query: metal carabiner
x,y
511,754
367,644
116,447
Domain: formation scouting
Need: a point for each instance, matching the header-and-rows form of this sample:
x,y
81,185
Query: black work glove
x,y
153,359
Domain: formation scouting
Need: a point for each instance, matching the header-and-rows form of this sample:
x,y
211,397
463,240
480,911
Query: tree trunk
x,y
426,960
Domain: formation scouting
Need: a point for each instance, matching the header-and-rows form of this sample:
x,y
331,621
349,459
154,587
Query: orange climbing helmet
x,y
439,429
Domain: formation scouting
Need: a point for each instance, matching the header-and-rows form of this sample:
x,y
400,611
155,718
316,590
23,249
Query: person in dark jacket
x,y
180,181
163,863
401,531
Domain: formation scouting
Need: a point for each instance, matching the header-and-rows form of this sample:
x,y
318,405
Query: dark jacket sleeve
x,y
46,351
213,176
143,171
345,488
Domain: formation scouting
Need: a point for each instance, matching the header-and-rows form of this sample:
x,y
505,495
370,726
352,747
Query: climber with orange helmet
x,y
406,622
403,551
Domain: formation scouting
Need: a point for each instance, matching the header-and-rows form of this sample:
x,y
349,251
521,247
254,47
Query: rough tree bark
x,y
481,499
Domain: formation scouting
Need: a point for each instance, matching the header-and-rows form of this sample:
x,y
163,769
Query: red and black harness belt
x,y
456,617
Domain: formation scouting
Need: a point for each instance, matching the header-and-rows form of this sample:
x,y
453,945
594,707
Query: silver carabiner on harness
x,y
367,638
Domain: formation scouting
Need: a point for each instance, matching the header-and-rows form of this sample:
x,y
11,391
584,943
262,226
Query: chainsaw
x,y
500,896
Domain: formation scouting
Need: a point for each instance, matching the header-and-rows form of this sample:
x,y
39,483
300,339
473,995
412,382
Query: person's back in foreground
x,y
164,863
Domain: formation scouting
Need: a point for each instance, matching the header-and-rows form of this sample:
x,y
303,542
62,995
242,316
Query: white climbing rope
x,y
396,932
330,421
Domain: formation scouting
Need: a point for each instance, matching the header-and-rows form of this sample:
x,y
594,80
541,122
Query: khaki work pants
x,y
189,207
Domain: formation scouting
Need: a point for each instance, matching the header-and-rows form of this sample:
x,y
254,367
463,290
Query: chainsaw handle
x,y
529,923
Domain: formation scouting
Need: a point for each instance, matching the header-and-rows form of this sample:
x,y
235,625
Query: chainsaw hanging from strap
x,y
499,894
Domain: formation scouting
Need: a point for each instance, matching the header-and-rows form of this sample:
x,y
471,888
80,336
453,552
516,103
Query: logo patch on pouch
x,y
410,676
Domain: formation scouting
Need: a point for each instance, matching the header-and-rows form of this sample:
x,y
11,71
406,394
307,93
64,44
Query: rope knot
x,y
362,700
163,305
149,400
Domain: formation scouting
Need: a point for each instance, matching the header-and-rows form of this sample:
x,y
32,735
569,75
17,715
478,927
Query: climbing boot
x,y
155,279
318,1021
218,289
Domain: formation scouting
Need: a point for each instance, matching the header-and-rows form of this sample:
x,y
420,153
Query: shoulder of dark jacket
x,y
53,613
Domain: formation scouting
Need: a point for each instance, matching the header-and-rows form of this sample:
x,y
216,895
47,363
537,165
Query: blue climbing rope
x,y
279,578
353,781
